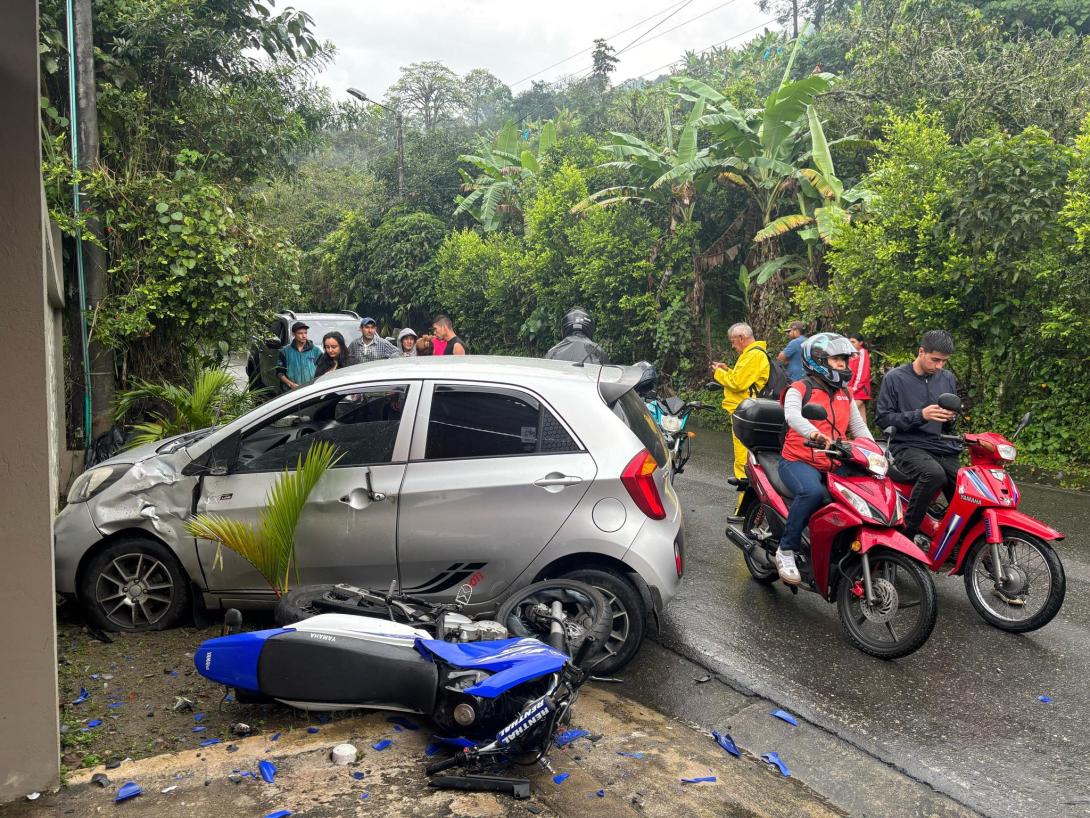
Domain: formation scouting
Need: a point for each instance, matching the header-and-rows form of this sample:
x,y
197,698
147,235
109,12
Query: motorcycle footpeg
x,y
517,787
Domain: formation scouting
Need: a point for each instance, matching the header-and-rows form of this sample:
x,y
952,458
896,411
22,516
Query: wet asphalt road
x,y
961,714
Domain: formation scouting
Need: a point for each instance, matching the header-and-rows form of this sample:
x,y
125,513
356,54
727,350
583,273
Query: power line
x,y
610,37
690,20
656,25
713,45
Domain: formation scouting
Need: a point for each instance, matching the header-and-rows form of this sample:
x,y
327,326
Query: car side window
x,y
472,421
362,425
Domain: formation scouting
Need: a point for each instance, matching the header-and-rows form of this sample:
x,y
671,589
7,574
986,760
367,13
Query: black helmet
x,y
577,320
816,352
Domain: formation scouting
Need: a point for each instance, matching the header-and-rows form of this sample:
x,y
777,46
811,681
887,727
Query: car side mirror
x,y
1022,424
273,343
814,411
950,402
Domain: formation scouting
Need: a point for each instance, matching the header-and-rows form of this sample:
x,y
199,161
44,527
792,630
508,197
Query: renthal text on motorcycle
x,y
856,556
1012,575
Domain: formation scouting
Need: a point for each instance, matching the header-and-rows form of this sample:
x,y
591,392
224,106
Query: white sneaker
x,y
785,564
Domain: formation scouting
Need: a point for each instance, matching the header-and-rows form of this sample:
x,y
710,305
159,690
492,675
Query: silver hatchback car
x,y
491,471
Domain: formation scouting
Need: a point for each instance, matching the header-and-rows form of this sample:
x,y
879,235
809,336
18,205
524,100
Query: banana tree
x,y
269,546
493,195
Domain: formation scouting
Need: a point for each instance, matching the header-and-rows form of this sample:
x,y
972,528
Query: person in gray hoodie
x,y
406,343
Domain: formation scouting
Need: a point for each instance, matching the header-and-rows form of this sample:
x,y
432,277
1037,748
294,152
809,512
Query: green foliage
x,y
210,397
269,546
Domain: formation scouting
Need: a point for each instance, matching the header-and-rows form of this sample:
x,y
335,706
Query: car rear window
x,y
633,411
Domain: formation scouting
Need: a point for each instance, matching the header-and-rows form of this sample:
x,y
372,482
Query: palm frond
x,y
782,225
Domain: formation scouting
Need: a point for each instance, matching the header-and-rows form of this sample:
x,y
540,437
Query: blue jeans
x,y
807,485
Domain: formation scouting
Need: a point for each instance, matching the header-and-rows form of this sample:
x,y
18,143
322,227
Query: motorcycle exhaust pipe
x,y
739,538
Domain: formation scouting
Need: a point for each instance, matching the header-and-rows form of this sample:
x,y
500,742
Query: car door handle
x,y
558,480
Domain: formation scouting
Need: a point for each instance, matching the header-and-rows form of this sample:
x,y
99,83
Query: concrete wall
x,y
29,752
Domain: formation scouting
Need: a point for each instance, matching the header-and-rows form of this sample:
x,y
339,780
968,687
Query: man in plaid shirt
x,y
370,346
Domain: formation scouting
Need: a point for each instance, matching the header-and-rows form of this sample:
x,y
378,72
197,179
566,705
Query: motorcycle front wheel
x,y
1034,586
904,611
585,613
311,600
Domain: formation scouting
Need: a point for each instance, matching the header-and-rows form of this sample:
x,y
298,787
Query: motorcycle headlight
x,y
862,507
671,424
92,481
876,464
1006,452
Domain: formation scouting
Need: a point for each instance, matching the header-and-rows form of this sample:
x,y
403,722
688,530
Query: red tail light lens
x,y
639,479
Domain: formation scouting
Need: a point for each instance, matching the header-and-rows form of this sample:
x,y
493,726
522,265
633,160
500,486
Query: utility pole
x,y
399,123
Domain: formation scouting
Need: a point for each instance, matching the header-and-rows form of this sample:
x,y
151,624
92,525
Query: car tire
x,y
629,616
134,584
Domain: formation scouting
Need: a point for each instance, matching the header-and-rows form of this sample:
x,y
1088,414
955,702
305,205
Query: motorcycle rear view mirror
x,y
712,385
950,402
814,411
1022,424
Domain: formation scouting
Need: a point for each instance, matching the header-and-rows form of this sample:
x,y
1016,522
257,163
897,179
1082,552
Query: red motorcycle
x,y
852,552
1012,574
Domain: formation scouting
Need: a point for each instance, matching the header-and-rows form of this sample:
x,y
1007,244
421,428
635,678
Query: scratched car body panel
x,y
482,470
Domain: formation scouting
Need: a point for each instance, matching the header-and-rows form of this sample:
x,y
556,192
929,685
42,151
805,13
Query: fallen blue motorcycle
x,y
493,695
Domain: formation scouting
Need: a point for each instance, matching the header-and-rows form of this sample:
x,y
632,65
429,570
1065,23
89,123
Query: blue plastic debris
x,y
280,813
208,742
128,790
198,717
560,778
601,793
636,755
174,673
381,745
432,748
82,697
364,796
200,728
268,771
94,722
397,728
408,724
783,715
703,779
115,705
275,736
775,760
230,697
312,729
727,743
357,775
568,736
1044,699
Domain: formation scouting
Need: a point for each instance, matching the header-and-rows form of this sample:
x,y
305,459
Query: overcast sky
x,y
514,40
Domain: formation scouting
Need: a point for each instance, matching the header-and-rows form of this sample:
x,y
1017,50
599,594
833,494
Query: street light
x,y
362,97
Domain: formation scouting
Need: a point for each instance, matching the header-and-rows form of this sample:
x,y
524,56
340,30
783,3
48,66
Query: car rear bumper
x,y
652,557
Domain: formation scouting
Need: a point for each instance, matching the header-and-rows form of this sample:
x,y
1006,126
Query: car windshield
x,y
184,440
633,411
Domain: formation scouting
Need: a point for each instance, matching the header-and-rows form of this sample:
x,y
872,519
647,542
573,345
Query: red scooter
x,y
1012,574
853,553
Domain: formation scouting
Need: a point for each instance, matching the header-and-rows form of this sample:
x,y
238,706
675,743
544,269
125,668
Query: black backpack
x,y
777,382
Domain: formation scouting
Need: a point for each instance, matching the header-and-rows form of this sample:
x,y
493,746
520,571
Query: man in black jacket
x,y
577,345
908,401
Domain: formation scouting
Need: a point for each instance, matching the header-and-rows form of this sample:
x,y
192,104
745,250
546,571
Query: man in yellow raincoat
x,y
741,381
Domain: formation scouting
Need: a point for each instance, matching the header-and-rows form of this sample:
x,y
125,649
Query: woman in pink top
x,y
859,386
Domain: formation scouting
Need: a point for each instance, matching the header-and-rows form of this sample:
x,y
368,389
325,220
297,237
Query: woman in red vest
x,y
802,469
860,367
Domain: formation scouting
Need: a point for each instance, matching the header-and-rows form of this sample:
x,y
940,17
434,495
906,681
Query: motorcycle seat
x,y
770,462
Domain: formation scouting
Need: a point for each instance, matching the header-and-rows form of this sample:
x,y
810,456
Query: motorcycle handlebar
x,y
454,761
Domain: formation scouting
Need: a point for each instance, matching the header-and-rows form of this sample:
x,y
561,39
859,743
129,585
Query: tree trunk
x,y
94,258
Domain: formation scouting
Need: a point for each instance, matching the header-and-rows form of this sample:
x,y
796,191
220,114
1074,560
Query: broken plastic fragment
x,y
208,742
280,813
182,703
783,715
128,790
94,722
312,729
275,736
344,754
357,775
169,789
568,736
101,779
240,728
82,697
636,755
33,796
230,697
1044,699
200,728
727,743
601,793
268,771
115,705
710,779
775,760
364,796
381,745
560,778
323,718
198,717
432,748
408,724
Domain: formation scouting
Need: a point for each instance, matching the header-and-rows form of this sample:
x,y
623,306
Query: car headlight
x,y
1006,451
671,424
876,464
862,507
91,482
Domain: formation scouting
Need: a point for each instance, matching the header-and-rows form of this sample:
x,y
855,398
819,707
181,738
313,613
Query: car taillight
x,y
639,479
677,558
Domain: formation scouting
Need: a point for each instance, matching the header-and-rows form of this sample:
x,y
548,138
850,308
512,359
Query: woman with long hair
x,y
860,366
334,354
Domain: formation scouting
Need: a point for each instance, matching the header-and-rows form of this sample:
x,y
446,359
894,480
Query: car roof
x,y
320,316
469,367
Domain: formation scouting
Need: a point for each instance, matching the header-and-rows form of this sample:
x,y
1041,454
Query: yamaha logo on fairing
x,y
323,637
208,660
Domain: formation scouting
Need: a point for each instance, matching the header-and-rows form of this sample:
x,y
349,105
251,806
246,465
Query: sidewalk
x,y
601,782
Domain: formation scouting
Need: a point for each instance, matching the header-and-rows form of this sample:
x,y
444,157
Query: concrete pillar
x,y
29,751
